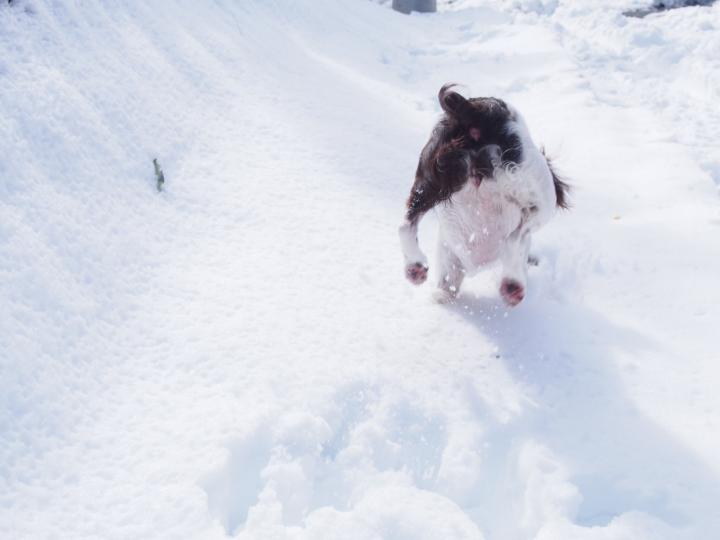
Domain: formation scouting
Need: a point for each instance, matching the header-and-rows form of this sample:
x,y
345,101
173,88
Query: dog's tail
x,y
562,188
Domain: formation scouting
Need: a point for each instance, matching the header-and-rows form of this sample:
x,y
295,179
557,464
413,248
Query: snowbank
x,y
239,356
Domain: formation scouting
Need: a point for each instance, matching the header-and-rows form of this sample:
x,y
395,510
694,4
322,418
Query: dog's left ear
x,y
453,103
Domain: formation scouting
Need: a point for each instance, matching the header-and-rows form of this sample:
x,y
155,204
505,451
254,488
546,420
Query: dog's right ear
x,y
453,103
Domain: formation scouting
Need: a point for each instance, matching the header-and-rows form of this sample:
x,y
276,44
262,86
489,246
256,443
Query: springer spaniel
x,y
492,188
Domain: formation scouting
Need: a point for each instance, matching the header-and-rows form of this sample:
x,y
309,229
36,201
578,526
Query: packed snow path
x,y
239,356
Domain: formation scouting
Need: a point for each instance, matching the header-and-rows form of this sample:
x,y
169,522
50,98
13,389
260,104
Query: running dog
x,y
491,187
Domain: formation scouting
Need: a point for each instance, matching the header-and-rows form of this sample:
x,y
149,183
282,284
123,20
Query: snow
x,y
239,355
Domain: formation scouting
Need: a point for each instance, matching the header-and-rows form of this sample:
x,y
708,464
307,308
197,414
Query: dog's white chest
x,y
475,223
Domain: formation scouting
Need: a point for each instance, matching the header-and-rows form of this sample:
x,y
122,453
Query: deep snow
x,y
239,356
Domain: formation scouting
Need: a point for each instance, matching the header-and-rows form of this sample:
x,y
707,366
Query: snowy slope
x,y
240,357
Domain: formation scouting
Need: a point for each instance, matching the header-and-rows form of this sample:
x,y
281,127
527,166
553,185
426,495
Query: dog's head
x,y
478,131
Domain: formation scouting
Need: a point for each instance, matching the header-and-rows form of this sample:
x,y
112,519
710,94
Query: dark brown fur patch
x,y
452,154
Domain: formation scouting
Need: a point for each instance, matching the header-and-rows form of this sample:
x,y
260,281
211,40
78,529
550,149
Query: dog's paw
x,y
443,296
416,273
512,291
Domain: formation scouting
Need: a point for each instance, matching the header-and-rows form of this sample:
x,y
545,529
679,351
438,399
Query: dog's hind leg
x,y
451,274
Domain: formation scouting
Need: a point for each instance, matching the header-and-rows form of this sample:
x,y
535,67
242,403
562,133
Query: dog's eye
x,y
475,133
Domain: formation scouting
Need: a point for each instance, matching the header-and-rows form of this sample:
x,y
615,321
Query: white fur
x,y
481,225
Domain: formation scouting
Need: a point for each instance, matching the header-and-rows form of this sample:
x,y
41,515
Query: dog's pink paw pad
x,y
416,273
512,291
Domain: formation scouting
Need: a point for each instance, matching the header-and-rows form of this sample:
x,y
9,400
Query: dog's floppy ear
x,y
453,103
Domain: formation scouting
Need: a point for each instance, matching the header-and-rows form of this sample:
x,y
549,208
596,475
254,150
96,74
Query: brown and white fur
x,y
491,187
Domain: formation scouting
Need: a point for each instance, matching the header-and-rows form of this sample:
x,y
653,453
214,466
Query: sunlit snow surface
x,y
239,356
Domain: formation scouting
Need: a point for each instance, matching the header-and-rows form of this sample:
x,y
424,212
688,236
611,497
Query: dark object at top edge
x,y
659,7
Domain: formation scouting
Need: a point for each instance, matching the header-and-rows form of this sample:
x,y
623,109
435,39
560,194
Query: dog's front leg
x,y
423,197
514,266
416,268
442,170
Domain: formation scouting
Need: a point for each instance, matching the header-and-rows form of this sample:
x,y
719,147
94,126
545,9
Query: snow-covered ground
x,y
239,356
